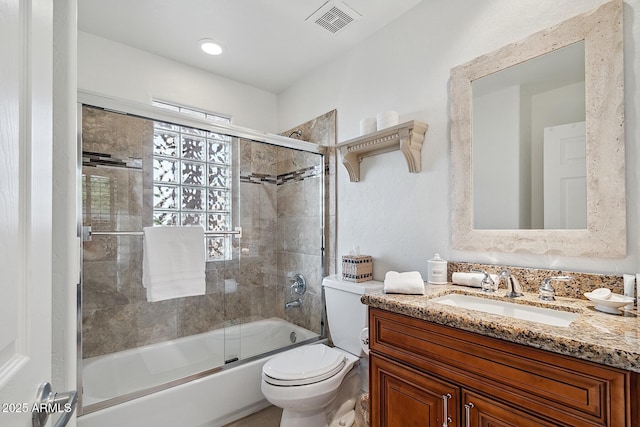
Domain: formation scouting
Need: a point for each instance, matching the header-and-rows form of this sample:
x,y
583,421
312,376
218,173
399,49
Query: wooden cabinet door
x,y
404,397
480,411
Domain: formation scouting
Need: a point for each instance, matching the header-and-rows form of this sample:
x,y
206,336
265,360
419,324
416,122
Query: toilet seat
x,y
304,365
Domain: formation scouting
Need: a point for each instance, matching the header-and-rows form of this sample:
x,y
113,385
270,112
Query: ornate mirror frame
x,y
605,235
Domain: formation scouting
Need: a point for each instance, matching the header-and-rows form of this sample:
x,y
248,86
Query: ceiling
x,y
268,44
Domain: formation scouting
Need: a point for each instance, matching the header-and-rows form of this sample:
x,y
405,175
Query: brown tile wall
x,y
297,249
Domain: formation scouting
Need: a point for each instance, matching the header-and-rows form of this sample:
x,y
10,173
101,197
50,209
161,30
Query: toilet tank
x,y
347,316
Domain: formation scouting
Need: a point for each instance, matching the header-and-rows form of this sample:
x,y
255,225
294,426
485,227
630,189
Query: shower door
x,y
280,207
261,206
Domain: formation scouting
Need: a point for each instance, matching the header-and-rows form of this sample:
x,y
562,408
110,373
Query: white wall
x,y
116,70
496,167
402,219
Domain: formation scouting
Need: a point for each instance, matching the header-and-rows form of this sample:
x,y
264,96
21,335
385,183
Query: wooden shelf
x,y
406,137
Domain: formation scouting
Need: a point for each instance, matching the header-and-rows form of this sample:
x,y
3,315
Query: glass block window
x,y
191,182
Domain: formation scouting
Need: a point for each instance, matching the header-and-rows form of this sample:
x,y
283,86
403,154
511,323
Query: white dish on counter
x,y
601,293
611,304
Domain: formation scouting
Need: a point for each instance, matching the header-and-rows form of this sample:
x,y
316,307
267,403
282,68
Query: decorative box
x,y
357,268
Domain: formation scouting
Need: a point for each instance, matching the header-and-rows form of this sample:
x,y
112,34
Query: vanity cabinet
x,y
422,372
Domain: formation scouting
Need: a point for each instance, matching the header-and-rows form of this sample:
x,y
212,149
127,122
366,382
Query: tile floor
x,y
268,417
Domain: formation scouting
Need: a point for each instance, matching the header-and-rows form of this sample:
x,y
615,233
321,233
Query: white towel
x,y
403,283
473,280
173,262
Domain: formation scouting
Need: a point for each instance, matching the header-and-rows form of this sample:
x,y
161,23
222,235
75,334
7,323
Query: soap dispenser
x,y
437,271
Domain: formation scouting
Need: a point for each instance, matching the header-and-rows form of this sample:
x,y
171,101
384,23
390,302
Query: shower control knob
x,y
299,285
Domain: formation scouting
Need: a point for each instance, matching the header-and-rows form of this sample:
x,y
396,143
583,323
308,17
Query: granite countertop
x,y
612,340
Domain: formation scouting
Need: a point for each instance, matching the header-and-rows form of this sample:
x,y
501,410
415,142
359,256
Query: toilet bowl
x,y
317,385
305,381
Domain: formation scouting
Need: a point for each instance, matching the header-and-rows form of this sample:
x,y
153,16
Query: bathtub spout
x,y
292,304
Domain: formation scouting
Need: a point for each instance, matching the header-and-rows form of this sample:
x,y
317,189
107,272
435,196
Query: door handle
x,y
467,413
48,403
446,419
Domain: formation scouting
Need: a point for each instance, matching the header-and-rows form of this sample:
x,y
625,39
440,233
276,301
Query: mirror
x,y
529,144
498,202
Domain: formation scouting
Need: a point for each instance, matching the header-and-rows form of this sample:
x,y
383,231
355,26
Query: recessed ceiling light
x,y
210,47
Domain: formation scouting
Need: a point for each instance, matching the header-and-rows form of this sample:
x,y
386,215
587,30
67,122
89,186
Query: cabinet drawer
x,y
481,411
566,389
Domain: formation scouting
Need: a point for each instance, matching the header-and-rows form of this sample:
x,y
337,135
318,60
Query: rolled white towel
x,y
403,283
473,280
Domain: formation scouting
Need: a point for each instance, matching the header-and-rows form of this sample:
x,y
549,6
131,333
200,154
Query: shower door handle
x,y
48,403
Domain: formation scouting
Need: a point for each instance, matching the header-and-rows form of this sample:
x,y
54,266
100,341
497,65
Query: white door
x,y
25,206
565,177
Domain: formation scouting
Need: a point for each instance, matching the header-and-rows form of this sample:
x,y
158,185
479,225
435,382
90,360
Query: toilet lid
x,y
304,365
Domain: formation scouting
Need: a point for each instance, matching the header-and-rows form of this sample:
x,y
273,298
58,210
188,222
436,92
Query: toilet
x,y
317,385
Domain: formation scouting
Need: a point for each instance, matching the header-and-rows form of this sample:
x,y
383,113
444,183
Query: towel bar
x,y
87,233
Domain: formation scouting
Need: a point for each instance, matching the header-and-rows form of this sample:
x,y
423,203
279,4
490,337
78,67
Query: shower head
x,y
297,133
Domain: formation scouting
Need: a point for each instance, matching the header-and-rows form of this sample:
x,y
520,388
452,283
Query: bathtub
x,y
167,384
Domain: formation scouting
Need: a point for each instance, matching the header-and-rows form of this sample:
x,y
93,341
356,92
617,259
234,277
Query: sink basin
x,y
530,313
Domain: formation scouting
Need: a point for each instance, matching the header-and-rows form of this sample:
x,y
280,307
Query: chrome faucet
x,y
298,287
514,288
291,304
547,292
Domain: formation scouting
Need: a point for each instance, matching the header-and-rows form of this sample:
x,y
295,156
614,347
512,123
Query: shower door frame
x,y
150,112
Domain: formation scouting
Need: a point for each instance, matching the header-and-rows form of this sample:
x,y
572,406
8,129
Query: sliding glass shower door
x,y
281,214
261,208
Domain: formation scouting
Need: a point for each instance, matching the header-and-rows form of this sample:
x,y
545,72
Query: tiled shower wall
x,y
278,188
296,251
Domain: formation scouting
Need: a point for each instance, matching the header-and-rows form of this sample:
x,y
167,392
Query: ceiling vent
x,y
333,16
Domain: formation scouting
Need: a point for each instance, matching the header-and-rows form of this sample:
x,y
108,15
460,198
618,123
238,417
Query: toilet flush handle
x,y
364,340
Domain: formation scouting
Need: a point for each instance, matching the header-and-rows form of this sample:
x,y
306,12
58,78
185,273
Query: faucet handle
x,y
299,284
487,284
547,291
